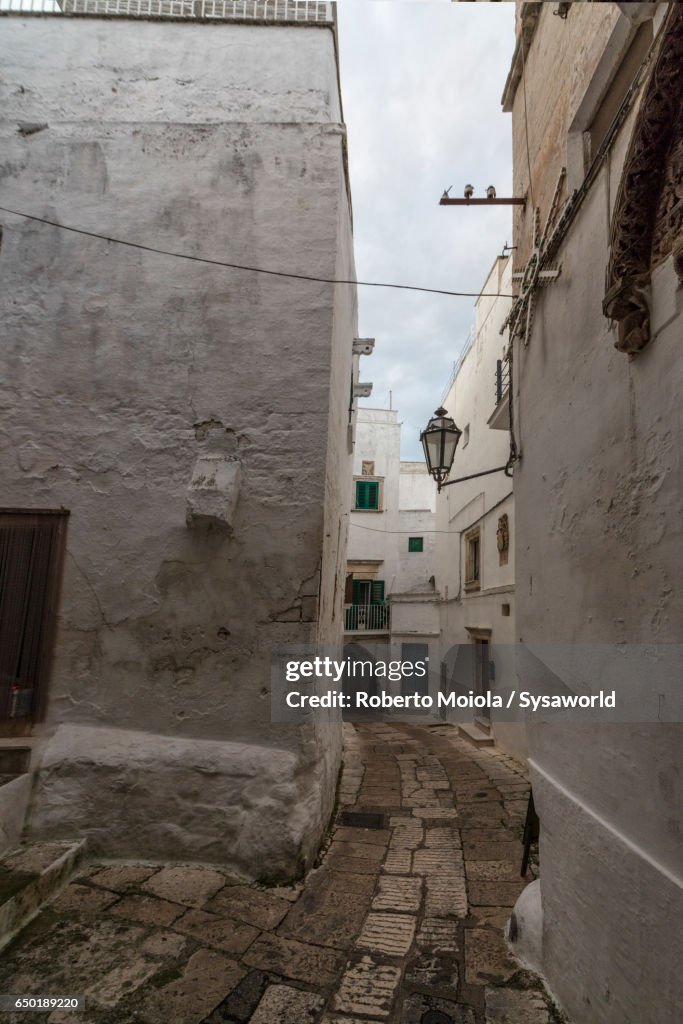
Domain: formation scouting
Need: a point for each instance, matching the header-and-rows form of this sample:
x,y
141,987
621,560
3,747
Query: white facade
x,y
598,490
393,544
475,570
194,420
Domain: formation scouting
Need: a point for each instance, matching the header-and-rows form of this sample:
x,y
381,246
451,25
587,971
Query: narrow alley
x,y
402,921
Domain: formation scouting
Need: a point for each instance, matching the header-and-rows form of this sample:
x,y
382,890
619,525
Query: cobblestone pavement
x,y
401,924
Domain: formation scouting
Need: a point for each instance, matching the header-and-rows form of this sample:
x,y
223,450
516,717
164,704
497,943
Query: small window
x,y
415,544
31,550
367,495
473,560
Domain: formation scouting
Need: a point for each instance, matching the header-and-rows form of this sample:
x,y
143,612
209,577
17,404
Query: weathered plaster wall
x,y
407,506
599,512
125,367
479,503
378,440
561,58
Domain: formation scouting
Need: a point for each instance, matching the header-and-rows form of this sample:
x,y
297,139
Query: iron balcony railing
x,y
502,379
359,618
307,11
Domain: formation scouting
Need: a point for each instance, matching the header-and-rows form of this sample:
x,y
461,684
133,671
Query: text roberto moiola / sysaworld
x,y
400,671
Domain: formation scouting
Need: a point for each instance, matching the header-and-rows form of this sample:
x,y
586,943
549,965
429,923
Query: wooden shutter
x,y
367,494
31,545
377,592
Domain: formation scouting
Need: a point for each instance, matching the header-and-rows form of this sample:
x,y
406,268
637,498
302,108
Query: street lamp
x,y
439,441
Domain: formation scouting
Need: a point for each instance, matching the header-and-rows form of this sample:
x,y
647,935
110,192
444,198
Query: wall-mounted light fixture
x,y
439,441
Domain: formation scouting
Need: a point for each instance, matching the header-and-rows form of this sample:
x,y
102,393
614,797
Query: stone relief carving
x,y
648,213
503,539
667,236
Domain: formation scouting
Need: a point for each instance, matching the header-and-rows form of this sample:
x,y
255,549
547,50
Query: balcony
x,y
280,11
500,417
366,618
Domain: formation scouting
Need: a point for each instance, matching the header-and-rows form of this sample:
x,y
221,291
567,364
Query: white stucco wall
x,y
122,368
479,503
407,506
598,550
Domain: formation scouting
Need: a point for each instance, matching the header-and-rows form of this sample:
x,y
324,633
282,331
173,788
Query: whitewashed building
x,y
596,98
390,596
475,569
175,450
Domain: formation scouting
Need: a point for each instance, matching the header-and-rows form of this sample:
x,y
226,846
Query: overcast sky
x,y
421,88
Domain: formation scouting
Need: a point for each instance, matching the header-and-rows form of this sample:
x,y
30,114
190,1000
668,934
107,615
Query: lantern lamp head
x,y
439,441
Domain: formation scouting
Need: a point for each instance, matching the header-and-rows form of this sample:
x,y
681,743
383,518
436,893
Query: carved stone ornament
x,y
503,539
647,224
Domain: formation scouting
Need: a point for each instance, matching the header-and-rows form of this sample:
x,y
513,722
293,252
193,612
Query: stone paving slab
x,y
259,909
326,916
192,886
417,1006
123,876
487,958
437,975
147,910
512,1006
439,935
293,959
398,894
494,894
284,1005
398,862
474,850
493,871
375,837
82,899
203,982
367,852
368,988
390,934
219,932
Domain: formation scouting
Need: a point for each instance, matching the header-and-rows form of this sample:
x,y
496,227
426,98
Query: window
x,y
31,547
473,560
367,495
415,544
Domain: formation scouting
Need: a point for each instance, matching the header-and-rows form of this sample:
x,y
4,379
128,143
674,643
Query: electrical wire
x,y
450,533
253,270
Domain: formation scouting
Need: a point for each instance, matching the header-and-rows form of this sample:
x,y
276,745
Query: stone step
x,y
31,875
14,760
476,736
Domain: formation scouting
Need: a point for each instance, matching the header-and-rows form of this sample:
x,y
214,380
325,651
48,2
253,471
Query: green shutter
x,y
377,592
367,494
415,544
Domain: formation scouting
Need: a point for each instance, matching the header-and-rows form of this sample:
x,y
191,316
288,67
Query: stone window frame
x,y
473,552
380,493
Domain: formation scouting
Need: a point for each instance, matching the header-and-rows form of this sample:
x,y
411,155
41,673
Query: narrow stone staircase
x,y
31,875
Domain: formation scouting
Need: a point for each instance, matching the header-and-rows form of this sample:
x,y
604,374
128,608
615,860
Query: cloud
x,y
421,88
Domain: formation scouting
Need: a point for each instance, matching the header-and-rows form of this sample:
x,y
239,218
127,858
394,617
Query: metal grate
x,y
305,11
362,819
